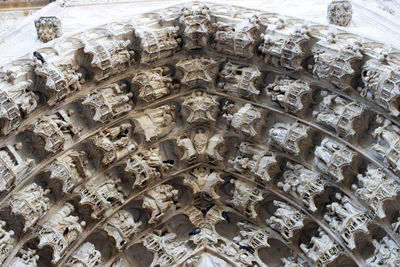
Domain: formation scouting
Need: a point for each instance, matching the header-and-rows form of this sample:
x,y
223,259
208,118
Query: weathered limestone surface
x,y
202,129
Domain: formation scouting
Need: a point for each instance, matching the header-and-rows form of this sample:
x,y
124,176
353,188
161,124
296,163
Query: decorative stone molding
x,y
48,28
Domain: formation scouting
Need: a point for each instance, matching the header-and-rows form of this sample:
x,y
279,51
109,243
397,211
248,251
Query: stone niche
x,y
201,135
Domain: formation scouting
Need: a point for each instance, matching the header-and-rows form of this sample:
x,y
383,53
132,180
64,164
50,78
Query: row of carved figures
x,y
349,65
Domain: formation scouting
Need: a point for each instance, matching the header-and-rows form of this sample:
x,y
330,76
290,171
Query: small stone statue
x,y
340,13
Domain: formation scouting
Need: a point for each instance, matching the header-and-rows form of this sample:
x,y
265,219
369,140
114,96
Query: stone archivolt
x,y
242,134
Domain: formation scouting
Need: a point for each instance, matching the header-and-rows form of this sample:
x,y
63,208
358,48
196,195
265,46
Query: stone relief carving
x,y
154,83
286,50
12,165
109,56
239,80
295,138
255,160
376,188
114,143
146,166
108,102
201,146
245,196
237,39
335,159
157,44
322,249
48,28
293,95
347,219
57,82
201,107
341,66
26,258
60,231
7,241
121,226
348,119
243,119
87,256
386,253
101,195
156,122
198,70
69,169
204,181
196,26
160,200
302,183
30,203
56,130
340,13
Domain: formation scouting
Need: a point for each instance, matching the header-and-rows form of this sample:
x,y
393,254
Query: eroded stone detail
x,y
86,256
7,241
26,258
303,184
239,80
243,119
203,182
160,200
108,102
340,13
48,28
386,253
245,196
198,71
196,24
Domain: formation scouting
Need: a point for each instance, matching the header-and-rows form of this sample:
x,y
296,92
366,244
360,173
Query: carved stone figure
x,y
7,242
70,169
201,146
347,118
203,182
196,24
381,85
60,231
121,226
237,39
48,28
156,122
57,82
375,188
340,65
388,143
198,70
256,160
302,183
294,138
157,44
146,166
55,129
293,261
30,203
108,102
114,143
86,256
154,83
245,197
322,249
347,219
340,13
387,253
109,56
16,102
286,219
12,166
294,96
26,258
239,80
160,200
336,159
102,195
201,107
243,119
286,50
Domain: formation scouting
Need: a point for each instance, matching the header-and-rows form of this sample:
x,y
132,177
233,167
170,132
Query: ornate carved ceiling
x,y
248,136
